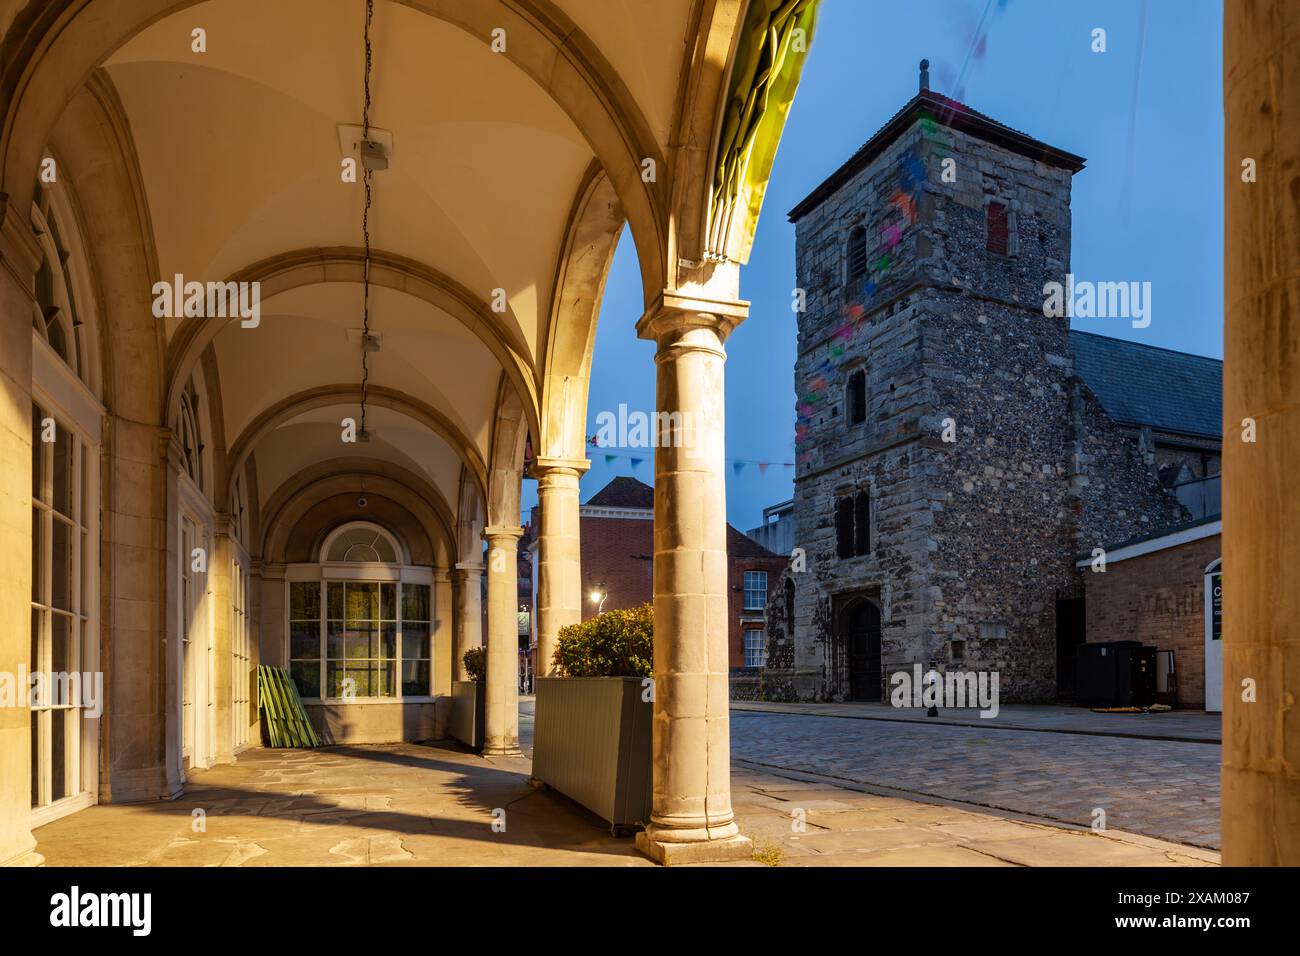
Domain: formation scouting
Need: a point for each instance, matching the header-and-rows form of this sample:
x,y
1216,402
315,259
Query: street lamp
x,y
598,597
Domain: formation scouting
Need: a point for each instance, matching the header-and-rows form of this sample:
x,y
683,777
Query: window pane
x,y
361,642
60,646
387,641
335,609
304,641
61,566
304,601
415,678
388,602
306,677
361,603
362,675
385,678
58,757
415,602
38,555
415,641
334,645
62,471
334,679
38,454
36,758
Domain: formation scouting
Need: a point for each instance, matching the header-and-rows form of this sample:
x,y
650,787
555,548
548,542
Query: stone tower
x,y
939,465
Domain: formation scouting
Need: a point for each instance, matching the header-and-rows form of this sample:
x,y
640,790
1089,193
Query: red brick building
x,y
1153,591
617,540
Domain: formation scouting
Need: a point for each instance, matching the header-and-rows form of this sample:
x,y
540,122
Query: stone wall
x,y
1158,599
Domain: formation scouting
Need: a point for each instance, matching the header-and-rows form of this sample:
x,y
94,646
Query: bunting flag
x,y
637,459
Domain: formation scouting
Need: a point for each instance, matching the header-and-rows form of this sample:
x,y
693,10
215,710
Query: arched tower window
x,y
862,523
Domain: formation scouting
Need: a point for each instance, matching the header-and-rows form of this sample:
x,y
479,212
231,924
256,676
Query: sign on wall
x,y
1214,637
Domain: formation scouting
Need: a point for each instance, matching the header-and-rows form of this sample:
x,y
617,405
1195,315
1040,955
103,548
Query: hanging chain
x,y
365,230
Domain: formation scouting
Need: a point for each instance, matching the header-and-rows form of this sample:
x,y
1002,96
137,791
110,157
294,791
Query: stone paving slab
x,y
432,805
1192,726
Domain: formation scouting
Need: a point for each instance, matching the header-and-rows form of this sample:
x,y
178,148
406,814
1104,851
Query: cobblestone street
x,y
1159,788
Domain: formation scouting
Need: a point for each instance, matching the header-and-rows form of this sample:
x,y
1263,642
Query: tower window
x,y
857,397
862,523
998,226
844,526
857,253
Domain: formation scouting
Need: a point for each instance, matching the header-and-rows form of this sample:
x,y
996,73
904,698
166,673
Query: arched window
x,y
60,282
360,542
856,399
789,602
189,435
360,621
857,253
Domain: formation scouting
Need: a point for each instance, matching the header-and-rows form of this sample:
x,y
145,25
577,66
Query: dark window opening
x,y
862,523
844,526
857,397
789,601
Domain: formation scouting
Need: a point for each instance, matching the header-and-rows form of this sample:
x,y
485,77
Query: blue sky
x,y
1146,114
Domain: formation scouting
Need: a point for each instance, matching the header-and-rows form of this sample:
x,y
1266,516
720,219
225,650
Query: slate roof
x,y
1158,388
946,112
628,492
624,492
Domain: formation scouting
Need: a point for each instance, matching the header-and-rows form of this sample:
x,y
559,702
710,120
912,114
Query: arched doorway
x,y
861,634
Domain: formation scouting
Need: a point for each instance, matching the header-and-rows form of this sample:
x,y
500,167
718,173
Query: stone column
x,y
443,632
469,615
501,722
559,554
1261,514
18,263
222,640
691,818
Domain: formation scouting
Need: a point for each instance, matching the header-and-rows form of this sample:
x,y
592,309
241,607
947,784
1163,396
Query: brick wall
x,y
741,620
616,552
1159,599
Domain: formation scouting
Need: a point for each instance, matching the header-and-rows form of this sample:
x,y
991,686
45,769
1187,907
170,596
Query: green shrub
x,y
613,644
476,663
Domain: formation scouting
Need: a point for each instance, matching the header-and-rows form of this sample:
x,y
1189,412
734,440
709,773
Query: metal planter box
x,y
592,743
468,706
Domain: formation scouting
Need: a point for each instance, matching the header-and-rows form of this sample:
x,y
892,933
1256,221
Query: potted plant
x,y
469,699
592,724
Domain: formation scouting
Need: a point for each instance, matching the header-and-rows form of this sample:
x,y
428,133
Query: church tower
x,y
933,497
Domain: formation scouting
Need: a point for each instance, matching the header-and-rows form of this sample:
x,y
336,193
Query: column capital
x,y
677,311
542,467
512,531
441,576
467,567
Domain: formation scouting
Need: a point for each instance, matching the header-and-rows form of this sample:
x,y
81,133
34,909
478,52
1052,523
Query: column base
x,y
501,752
738,847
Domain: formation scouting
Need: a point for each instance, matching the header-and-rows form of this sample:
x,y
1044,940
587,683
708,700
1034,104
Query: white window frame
x,y
63,396
327,572
745,605
761,650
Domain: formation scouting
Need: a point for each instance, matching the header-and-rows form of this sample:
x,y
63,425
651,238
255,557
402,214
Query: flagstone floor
x,y
430,805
